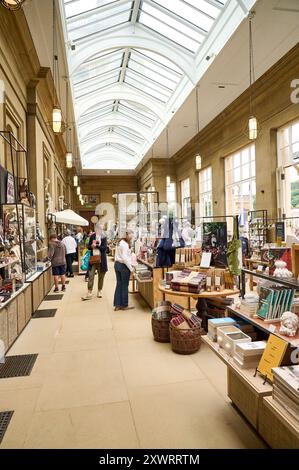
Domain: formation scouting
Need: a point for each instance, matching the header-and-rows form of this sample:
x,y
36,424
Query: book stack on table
x,y
286,389
248,355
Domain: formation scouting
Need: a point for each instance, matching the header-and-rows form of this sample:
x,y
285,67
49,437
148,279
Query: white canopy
x,y
70,217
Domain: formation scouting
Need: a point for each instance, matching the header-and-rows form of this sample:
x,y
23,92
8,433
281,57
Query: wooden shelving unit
x,y
149,289
244,389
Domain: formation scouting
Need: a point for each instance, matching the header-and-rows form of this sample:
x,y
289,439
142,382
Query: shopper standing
x,y
71,248
123,269
98,261
56,254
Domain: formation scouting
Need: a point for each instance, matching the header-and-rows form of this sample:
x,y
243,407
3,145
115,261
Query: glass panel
x,y
145,88
161,60
76,7
170,28
83,29
208,8
193,15
155,73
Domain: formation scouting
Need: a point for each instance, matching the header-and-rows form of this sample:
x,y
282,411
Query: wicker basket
x,y
161,330
185,341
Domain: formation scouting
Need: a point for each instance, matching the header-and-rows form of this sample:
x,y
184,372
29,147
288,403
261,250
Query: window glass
x,y
205,192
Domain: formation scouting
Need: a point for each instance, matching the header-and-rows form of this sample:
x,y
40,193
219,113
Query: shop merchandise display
x,y
289,324
229,336
274,301
248,355
215,242
215,323
273,255
286,389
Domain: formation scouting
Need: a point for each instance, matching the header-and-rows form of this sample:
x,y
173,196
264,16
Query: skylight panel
x,y
171,28
159,60
153,72
98,22
194,16
77,7
143,85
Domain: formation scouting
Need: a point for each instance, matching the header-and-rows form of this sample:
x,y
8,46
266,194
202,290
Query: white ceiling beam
x,y
120,92
110,139
124,65
243,6
135,11
116,121
140,39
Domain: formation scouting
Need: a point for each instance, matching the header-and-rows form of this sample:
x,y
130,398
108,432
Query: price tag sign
x,y
272,328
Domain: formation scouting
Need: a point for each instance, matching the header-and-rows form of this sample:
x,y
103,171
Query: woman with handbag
x,y
97,261
123,269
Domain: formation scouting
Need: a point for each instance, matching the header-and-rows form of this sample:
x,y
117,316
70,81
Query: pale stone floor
x,y
100,381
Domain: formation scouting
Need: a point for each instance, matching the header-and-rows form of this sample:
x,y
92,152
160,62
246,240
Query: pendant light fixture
x,y
76,181
197,156
168,178
69,154
57,123
12,5
253,126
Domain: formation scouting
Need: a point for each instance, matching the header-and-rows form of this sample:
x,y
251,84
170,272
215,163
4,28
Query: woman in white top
x,y
71,248
123,268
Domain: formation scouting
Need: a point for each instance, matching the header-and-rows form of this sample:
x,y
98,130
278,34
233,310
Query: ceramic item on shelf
x,y
289,324
281,270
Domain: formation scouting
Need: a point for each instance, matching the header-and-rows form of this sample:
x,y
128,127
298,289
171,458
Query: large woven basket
x,y
161,330
185,341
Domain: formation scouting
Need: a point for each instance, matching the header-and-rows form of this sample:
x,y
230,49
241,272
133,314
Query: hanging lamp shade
x,y
76,181
252,128
12,4
198,162
57,120
69,160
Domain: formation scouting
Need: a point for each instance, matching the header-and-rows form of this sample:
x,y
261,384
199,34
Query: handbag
x,y
95,259
85,261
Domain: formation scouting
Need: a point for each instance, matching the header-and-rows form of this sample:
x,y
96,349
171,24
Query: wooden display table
x,y
244,390
149,288
264,326
277,427
201,305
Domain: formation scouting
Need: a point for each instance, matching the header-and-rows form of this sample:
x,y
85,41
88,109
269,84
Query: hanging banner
x,y
10,189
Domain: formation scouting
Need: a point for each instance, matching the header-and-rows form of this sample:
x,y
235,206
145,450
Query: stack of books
x,y
286,389
274,301
193,282
248,355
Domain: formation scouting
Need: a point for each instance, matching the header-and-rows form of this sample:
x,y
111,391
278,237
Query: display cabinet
x,y
20,230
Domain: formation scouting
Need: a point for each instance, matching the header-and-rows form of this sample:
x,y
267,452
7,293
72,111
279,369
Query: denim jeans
x,y
121,296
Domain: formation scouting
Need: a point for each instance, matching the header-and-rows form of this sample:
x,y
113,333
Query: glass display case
x,y
11,248
23,237
29,239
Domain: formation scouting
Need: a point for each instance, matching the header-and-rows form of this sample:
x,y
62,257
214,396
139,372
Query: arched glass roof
x,y
133,63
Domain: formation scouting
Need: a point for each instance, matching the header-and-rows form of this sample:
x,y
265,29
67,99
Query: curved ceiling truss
x,y
133,63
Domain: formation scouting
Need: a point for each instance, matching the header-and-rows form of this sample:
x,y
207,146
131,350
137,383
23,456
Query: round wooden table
x,y
201,298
